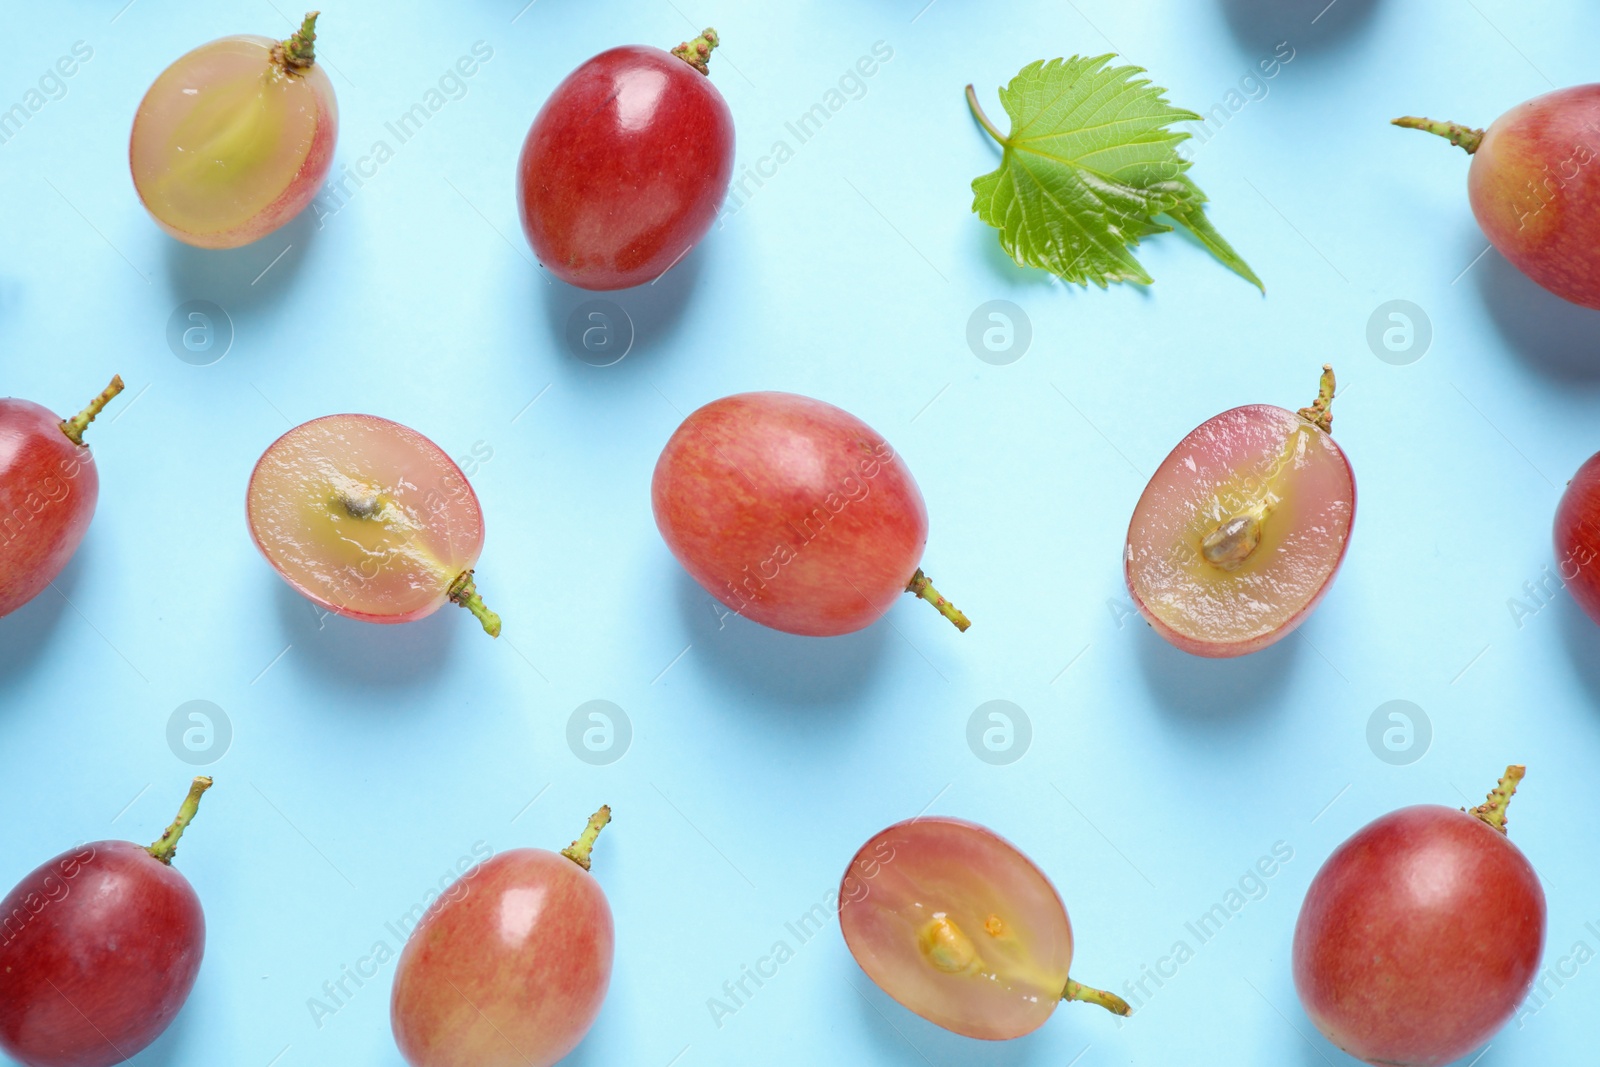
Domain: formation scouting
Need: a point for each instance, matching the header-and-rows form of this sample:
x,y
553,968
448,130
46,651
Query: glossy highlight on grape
x,y
99,950
369,519
955,923
1242,528
235,138
48,490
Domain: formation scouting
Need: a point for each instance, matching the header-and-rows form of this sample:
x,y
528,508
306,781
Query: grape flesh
x,y
1240,531
366,517
956,924
625,168
229,143
1577,537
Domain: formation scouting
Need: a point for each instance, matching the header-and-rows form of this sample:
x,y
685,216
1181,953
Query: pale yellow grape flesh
x,y
1258,460
365,516
221,135
962,929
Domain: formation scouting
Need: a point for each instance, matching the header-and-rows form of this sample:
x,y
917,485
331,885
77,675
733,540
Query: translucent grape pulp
x,y
365,516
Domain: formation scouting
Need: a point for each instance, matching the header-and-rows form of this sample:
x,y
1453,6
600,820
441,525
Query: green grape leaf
x,y
1090,163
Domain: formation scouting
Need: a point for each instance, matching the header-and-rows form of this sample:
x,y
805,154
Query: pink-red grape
x,y
1242,528
369,519
235,138
48,490
793,513
1421,934
955,923
99,949
510,966
626,165
1534,187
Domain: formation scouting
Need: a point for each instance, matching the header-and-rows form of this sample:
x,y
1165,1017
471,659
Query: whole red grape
x,y
626,165
794,513
1577,537
510,966
1535,187
99,949
1421,934
48,489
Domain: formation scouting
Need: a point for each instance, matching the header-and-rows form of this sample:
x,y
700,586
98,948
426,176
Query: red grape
x,y
1577,537
1421,934
1534,184
510,966
234,139
1242,528
626,165
99,949
793,513
955,923
48,489
370,519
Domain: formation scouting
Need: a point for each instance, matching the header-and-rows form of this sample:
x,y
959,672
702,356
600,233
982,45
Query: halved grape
x,y
368,518
1242,528
234,139
955,923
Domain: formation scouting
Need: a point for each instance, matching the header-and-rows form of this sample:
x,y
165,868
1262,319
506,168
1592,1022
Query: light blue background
x,y
367,760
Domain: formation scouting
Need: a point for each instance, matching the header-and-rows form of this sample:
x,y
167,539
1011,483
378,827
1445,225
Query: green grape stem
x,y
296,55
983,120
1090,995
923,588
464,592
1465,137
167,845
697,53
1493,810
1320,413
578,852
75,426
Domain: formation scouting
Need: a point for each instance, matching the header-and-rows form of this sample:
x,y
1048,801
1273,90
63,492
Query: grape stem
x,y
464,591
1320,413
983,120
296,55
1493,810
167,845
578,852
75,426
697,53
1089,995
1467,137
923,588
